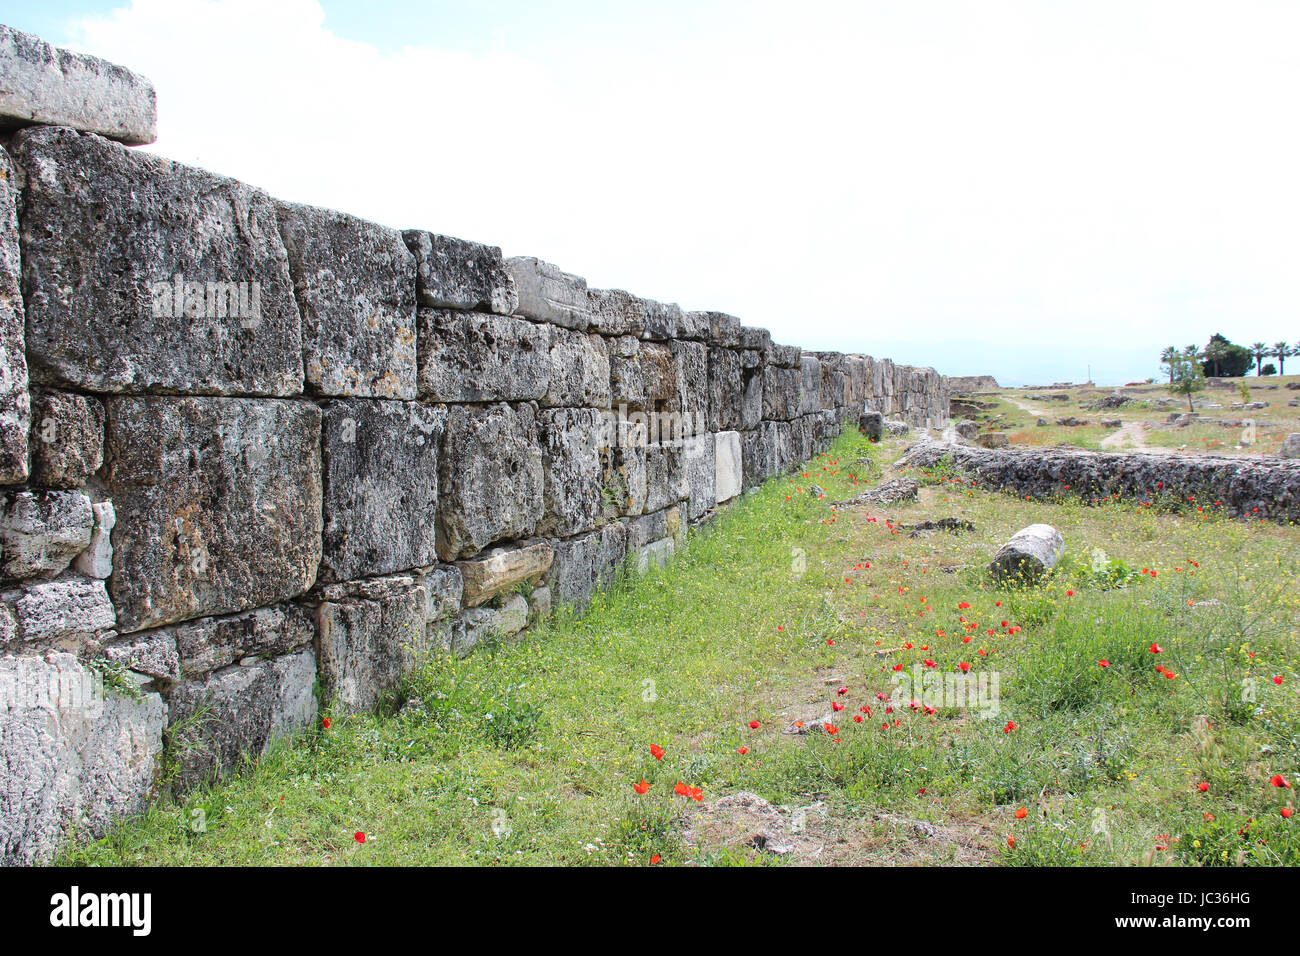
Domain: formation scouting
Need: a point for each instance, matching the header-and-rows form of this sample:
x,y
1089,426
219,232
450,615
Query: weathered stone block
x,y
666,481
783,356
238,712
477,357
67,438
191,289
751,394
810,384
499,569
652,527
69,610
661,381
15,413
700,475
755,338
615,312
656,554
355,285
579,375
664,321
725,392
211,643
692,361
458,274
626,385
444,590
67,765
781,397
623,469
490,479
41,532
55,87
152,654
721,329
380,487
369,633
872,424
484,624
548,294
574,441
97,560
728,465
802,438
767,451
586,562
1029,554
218,505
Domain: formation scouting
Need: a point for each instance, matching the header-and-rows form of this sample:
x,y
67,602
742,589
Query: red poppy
x,y
1021,813
1278,780
681,789
1103,663
1011,725
655,859
963,667
1203,787
1156,649
1011,842
359,836
657,752
1286,813
325,722
641,787
753,725
742,750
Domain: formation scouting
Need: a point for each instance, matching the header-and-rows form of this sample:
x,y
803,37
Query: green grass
x,y
527,753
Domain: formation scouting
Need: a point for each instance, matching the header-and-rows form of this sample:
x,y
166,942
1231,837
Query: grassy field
x,y
1146,695
1016,411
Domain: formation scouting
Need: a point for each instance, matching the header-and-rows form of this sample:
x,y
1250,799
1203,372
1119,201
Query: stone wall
x,y
248,446
968,384
1246,487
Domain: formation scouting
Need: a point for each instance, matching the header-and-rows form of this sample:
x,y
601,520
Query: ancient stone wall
x,y
248,446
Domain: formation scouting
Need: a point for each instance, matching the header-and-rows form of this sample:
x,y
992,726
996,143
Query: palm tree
x,y
1214,353
1168,357
1259,351
1282,351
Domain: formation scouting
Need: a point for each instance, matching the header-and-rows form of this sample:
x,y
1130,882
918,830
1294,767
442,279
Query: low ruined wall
x,y
967,384
247,445
1236,486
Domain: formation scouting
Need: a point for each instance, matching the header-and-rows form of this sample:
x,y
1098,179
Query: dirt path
x,y
1129,438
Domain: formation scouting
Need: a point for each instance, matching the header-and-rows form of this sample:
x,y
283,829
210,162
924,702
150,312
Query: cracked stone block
x,y
477,357
456,273
579,374
781,396
70,762
751,396
211,643
539,605
692,361
656,554
652,527
623,470
548,294
370,633
69,610
665,321
149,653
666,480
802,440
380,486
491,479
615,312
191,290
484,624
725,392
720,328
810,385
51,86
42,531
767,451
355,286
67,440
15,411
502,568
660,380
755,338
586,562
728,465
699,457
626,386
97,560
238,712
573,444
218,505
783,356
444,590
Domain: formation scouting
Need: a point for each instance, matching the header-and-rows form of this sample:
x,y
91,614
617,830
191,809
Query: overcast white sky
x,y
1025,189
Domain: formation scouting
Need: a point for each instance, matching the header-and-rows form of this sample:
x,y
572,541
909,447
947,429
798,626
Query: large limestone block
x,y
579,374
783,356
549,294
65,612
211,643
143,275
665,321
666,479
238,712
1291,447
810,384
615,312
459,274
97,560
380,487
767,451
499,569
75,758
586,562
623,469
41,532
67,438
725,392
55,87
755,338
803,438
781,397
498,623
478,357
574,440
15,413
370,633
660,378
1029,554
700,475
218,505
355,285
490,478
721,329
692,361
728,465
751,394
626,385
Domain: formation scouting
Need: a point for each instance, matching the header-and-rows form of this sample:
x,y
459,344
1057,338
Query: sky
x,y
1038,191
